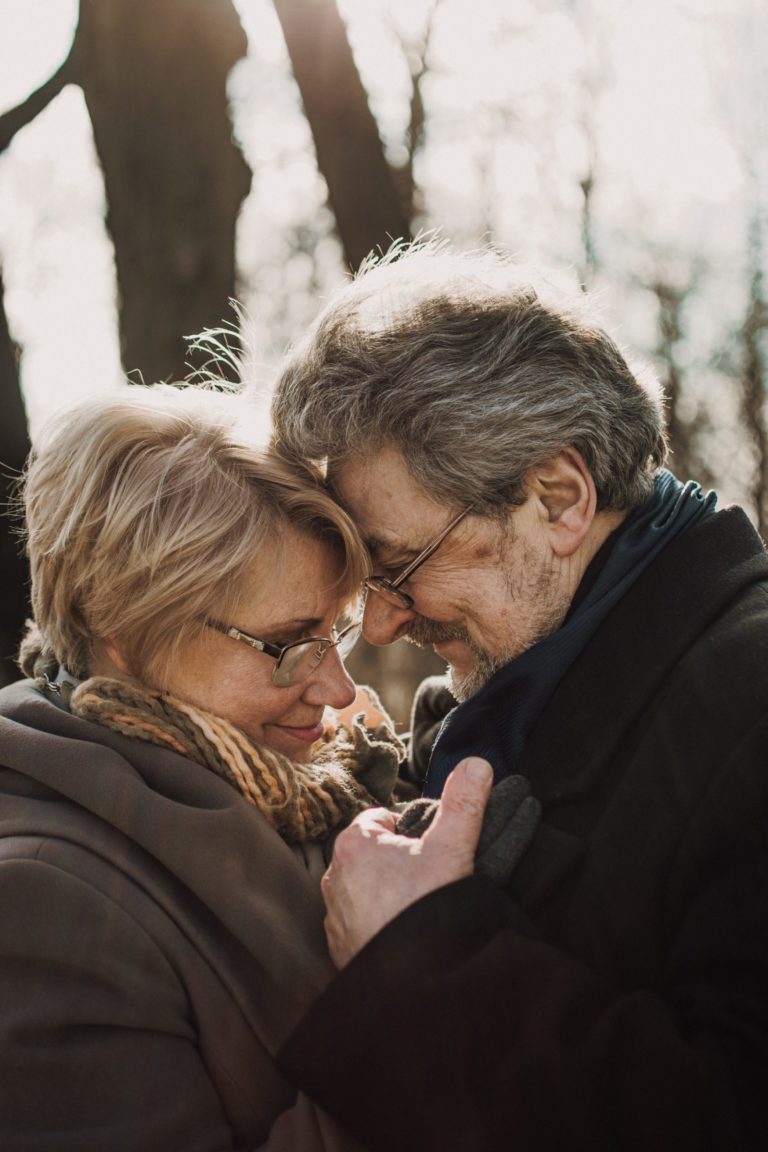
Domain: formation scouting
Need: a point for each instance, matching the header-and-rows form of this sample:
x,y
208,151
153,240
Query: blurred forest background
x,y
158,159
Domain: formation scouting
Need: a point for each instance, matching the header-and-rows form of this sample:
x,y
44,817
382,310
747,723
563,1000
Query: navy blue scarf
x,y
496,721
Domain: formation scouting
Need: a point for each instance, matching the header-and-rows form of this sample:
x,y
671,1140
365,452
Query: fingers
x,y
459,817
372,820
370,824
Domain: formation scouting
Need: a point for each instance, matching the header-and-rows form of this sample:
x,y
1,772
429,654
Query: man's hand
x,y
375,873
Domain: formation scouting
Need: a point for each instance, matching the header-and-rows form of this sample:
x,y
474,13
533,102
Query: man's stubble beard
x,y
530,580
424,633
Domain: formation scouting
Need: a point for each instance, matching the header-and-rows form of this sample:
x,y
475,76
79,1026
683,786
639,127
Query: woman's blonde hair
x,y
143,512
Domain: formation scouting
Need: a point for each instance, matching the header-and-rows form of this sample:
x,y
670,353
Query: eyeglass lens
x,y
382,587
299,661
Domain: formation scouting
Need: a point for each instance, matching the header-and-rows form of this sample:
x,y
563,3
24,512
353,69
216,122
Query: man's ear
x,y
565,491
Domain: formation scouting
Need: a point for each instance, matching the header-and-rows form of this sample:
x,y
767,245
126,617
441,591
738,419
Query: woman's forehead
x,y
294,580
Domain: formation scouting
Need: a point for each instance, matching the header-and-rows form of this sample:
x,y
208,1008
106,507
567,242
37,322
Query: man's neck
x,y
602,526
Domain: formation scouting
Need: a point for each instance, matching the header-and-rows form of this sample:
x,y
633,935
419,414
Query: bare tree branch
x,y
17,118
673,288
416,53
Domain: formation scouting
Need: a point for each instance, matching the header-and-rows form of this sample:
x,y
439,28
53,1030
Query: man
x,y
606,631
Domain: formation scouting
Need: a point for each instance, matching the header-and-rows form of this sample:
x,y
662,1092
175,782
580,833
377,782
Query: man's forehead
x,y
393,526
389,506
370,475
384,532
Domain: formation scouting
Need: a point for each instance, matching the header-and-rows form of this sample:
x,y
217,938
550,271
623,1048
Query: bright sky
x,y
673,89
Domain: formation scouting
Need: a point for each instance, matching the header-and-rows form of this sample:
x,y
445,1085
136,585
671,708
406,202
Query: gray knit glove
x,y
509,824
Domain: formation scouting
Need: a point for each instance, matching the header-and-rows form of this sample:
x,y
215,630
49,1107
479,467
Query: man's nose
x,y
383,623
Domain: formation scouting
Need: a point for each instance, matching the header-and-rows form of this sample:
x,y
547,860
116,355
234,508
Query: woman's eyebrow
x,y
303,623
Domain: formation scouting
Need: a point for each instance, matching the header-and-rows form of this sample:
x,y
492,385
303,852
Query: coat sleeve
x,y
456,1027
98,1043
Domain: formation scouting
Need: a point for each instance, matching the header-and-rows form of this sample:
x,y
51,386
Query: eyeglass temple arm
x,y
236,634
433,547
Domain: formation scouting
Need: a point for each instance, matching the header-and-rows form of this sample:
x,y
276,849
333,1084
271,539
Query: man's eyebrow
x,y
377,544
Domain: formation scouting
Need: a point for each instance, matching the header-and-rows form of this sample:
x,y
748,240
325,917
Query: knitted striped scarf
x,y
303,802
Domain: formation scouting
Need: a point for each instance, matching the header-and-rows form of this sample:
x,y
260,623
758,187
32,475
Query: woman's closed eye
x,y
295,638
285,638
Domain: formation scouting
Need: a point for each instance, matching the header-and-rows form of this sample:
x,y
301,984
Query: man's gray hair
x,y
475,375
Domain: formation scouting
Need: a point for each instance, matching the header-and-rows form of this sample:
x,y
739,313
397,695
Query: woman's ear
x,y
115,657
567,498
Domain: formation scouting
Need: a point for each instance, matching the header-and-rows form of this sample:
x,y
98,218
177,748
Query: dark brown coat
x,y
157,942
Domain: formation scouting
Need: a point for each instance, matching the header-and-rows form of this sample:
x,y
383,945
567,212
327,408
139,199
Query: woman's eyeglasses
x,y
296,661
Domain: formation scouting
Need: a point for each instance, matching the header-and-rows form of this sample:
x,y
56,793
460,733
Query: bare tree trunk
x,y
683,434
14,446
592,80
155,86
16,118
670,300
754,381
361,188
589,251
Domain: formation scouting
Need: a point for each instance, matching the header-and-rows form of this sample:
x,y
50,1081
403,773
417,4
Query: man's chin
x,y
463,684
466,681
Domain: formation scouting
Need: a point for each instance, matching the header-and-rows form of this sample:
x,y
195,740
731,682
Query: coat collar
x,y
645,635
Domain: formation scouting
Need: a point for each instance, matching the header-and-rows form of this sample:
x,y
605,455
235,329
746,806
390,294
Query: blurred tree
x,y
362,188
395,671
415,48
155,89
14,446
754,370
673,289
590,81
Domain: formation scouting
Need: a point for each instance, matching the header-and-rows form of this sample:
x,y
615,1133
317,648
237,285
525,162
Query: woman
x,y
168,788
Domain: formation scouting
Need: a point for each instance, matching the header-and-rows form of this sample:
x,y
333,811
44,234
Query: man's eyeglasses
x,y
296,661
390,590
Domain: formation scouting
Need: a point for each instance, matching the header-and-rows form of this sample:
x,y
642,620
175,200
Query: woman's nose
x,y
383,623
330,683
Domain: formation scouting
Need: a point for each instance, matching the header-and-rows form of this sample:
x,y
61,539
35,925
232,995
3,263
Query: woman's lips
x,y
307,735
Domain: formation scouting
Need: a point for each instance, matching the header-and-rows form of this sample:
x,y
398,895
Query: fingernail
x,y
478,771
